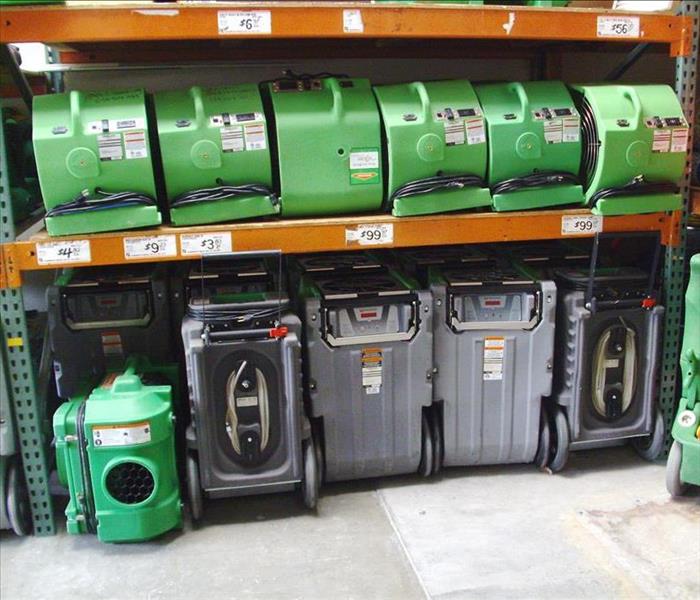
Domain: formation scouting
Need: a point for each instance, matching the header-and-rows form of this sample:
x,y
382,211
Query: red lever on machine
x,y
278,332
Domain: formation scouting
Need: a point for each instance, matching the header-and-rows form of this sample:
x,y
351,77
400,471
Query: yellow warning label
x,y
15,342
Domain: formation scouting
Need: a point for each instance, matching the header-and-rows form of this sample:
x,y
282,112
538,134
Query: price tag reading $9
x,y
150,246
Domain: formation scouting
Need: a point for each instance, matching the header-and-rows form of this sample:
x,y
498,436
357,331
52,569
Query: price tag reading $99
x,y
370,235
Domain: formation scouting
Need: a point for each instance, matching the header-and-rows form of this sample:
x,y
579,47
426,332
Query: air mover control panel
x,y
215,153
328,144
95,142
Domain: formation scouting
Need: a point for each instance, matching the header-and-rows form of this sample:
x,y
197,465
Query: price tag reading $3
x,y
205,243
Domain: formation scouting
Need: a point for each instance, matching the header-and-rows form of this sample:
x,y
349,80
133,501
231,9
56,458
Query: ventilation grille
x,y
130,483
591,143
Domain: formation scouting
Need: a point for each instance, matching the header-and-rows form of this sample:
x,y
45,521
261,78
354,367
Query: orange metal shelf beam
x,y
172,21
319,235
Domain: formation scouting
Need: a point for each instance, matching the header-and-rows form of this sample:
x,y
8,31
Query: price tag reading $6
x,y
205,243
250,22
370,235
150,246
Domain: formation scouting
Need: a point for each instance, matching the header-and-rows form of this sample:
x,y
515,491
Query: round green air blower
x,y
215,154
93,158
435,147
635,141
533,131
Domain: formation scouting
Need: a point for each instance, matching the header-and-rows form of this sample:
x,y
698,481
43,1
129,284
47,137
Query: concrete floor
x,y
605,528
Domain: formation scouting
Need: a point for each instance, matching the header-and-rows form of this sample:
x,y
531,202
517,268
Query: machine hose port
x,y
130,483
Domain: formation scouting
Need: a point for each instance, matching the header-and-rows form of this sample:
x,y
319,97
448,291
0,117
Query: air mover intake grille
x,y
130,483
591,142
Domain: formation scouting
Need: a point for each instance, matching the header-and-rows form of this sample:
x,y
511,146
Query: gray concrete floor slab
x,y
605,528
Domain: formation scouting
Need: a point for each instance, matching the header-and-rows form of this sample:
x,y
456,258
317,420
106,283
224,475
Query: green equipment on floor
x,y
94,161
683,466
435,147
533,131
328,145
635,139
215,154
115,451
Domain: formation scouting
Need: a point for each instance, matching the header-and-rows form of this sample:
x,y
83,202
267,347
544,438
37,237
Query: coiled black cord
x,y
223,314
539,179
638,185
436,184
225,192
102,201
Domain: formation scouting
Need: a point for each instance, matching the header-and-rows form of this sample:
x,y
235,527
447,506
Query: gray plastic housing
x,y
220,476
83,351
577,333
370,431
490,420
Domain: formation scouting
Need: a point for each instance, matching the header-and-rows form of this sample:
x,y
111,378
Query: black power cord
x,y
638,185
222,314
436,184
102,201
539,179
224,192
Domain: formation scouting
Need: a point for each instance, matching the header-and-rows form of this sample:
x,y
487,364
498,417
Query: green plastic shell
x,y
434,128
329,146
532,126
640,130
128,427
212,137
89,140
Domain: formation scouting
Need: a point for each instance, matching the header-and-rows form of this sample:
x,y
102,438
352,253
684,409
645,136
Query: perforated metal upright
x,y
33,445
686,81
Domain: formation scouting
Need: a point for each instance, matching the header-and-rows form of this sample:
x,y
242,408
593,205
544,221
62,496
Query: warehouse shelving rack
x,y
154,29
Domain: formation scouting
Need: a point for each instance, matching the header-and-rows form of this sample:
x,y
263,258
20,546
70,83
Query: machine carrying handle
x,y
589,299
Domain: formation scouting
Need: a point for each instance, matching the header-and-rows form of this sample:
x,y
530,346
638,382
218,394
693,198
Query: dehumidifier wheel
x,y
194,490
426,458
436,432
310,484
559,446
18,509
650,446
542,456
674,484
320,462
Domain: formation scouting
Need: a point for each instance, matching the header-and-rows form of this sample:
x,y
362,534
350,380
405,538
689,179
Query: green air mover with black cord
x,y
215,154
534,140
115,451
94,161
328,144
635,139
435,147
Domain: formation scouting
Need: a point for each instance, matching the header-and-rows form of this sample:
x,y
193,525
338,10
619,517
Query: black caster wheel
x,y
310,484
674,484
542,456
17,501
436,433
426,460
194,489
650,446
559,446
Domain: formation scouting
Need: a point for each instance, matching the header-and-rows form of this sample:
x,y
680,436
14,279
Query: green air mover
x,y
328,144
94,161
683,467
635,141
534,144
435,147
215,152
115,451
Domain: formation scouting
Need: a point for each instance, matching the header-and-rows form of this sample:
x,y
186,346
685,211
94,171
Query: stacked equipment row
x,y
371,365
311,145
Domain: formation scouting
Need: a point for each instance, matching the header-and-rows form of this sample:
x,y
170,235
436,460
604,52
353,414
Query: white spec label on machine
x,y
370,235
248,22
455,133
232,139
494,348
135,144
121,435
352,21
365,159
679,139
109,146
149,246
371,360
626,27
581,224
476,130
116,125
192,244
57,253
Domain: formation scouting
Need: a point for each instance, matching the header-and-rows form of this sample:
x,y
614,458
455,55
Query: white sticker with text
x,y
581,225
150,246
205,243
56,253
